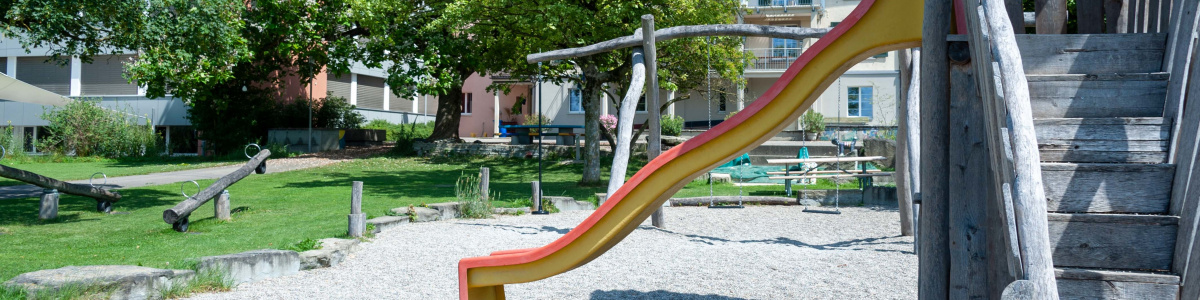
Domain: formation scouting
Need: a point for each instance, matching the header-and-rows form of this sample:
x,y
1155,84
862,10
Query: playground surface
x,y
771,252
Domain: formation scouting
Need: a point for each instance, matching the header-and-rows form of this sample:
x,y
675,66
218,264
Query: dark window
x,y
468,102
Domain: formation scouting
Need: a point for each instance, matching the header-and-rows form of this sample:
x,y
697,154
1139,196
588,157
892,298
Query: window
x,y
858,101
784,48
468,102
641,104
576,99
721,100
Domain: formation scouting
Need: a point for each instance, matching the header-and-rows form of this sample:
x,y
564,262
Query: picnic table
x,y
863,174
523,134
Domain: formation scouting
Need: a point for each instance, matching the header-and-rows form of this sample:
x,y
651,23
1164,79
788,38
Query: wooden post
x,y
185,208
357,219
1177,60
537,196
903,185
1051,16
221,206
1090,15
484,173
1116,16
654,140
1185,193
933,259
49,210
969,154
1016,14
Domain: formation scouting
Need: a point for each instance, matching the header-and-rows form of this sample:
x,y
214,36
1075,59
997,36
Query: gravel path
x,y
772,252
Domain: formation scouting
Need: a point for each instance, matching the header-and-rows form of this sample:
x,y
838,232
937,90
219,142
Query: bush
x,y
9,141
397,131
813,121
472,204
672,125
407,135
84,128
536,119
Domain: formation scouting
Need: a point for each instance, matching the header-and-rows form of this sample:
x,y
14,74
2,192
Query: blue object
x,y
741,160
802,154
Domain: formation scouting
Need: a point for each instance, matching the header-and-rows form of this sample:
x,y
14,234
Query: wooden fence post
x,y
484,173
358,220
933,259
654,142
49,210
221,207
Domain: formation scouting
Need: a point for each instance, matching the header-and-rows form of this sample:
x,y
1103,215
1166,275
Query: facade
x,y
862,100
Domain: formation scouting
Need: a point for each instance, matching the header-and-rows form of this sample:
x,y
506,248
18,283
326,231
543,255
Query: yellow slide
x,y
875,26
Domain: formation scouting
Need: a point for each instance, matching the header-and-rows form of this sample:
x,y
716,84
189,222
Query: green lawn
x,y
70,168
270,211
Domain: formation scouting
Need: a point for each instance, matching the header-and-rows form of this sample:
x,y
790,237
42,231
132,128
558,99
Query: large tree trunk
x,y
449,112
593,103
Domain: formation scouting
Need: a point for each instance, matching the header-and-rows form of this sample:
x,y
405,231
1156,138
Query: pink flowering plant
x,y
609,122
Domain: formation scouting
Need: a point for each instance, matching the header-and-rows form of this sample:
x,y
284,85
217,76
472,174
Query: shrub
x,y
84,128
8,139
472,204
609,122
672,125
813,121
536,119
336,112
406,135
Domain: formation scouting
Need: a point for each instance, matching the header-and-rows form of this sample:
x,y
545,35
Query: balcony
x,y
772,59
776,3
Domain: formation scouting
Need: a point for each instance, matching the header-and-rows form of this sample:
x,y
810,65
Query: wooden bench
x,y
874,174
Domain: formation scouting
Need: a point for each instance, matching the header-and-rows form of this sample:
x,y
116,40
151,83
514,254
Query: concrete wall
x,y
162,112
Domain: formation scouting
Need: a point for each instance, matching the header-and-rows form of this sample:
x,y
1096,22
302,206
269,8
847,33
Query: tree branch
x,y
678,32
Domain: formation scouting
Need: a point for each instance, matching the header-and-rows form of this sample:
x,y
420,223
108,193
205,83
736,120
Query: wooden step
x,y
1106,284
1135,140
1108,188
1098,96
1107,241
1092,53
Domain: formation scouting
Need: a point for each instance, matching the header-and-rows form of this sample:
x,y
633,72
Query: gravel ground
x,y
772,252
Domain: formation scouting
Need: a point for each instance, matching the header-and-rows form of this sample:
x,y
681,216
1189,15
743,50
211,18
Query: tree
x,y
427,55
510,29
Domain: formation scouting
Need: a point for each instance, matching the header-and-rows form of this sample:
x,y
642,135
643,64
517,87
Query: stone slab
x,y
511,210
332,252
251,266
123,282
569,204
387,222
448,210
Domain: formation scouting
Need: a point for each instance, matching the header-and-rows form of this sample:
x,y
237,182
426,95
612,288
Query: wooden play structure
x,y
1030,166
104,198
178,215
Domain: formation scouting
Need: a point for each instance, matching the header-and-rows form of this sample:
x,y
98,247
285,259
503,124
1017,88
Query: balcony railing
x,y
772,58
776,3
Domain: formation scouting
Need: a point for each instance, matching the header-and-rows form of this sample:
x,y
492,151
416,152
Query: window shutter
x,y
370,92
339,86
46,75
103,77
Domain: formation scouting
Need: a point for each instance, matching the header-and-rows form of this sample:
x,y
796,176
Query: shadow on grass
x,y
74,208
659,294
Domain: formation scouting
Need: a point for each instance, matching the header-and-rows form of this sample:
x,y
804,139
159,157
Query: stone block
x,y
569,204
511,210
252,266
881,147
49,205
448,210
122,282
333,251
721,177
387,222
420,214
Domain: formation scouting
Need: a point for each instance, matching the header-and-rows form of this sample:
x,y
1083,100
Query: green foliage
x,y
227,131
279,151
8,140
402,131
303,245
813,121
472,203
536,119
337,112
84,128
672,125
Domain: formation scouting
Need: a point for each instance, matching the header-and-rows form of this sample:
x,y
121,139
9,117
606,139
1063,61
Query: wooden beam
x,y
678,32
967,218
625,122
1090,15
185,208
654,139
1177,60
1051,16
912,140
933,257
98,193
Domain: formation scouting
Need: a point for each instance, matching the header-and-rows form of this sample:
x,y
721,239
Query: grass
x,y
77,168
272,211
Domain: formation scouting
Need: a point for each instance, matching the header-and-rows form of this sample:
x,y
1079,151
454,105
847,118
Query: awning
x,y
15,90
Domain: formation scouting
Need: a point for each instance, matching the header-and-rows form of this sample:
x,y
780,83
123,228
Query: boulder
x,y
720,177
333,251
120,282
673,140
881,147
448,210
251,266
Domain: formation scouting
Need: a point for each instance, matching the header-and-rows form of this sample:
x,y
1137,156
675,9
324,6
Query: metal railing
x,y
776,3
772,58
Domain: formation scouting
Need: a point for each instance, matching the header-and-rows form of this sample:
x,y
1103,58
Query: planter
x,y
810,136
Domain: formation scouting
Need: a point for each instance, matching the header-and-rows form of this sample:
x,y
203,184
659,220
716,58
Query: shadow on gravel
x,y
659,294
854,244
523,229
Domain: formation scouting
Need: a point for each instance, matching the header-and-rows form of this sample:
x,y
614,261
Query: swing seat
x,y
818,211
